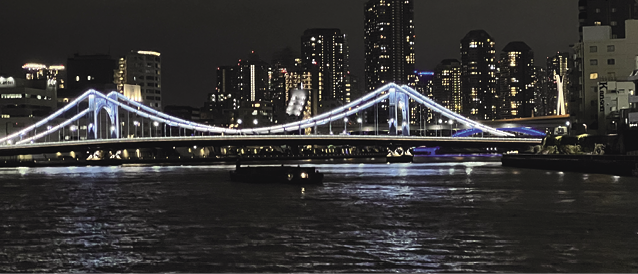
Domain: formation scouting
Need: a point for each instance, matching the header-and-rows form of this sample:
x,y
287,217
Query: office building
x,y
24,102
324,54
611,13
144,69
517,92
479,90
600,59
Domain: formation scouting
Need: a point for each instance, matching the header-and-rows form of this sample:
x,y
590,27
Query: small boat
x,y
276,174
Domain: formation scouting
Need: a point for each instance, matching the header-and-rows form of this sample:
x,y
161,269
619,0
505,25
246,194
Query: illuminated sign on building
x,y
602,89
7,82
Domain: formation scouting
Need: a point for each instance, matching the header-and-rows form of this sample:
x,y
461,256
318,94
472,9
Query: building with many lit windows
x,y
144,69
446,85
601,59
324,54
389,48
516,81
479,90
611,13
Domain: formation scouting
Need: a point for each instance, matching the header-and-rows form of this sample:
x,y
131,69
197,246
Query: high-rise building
x,y
253,79
446,86
517,92
601,59
324,53
86,72
611,13
479,90
556,65
144,69
542,98
389,48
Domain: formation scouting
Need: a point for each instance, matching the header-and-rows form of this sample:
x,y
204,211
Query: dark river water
x,y
449,216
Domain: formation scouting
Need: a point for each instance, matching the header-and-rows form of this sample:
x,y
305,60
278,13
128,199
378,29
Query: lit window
x,y
77,78
593,76
597,23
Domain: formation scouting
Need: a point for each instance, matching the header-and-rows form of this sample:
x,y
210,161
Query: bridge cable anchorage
x,y
112,102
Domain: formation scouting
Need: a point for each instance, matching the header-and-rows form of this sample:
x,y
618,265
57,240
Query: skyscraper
x,y
143,69
254,79
324,53
446,88
607,13
479,92
389,44
517,81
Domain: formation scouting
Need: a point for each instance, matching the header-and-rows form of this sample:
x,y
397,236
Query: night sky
x,y
195,37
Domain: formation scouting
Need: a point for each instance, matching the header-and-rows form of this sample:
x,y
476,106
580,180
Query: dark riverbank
x,y
622,165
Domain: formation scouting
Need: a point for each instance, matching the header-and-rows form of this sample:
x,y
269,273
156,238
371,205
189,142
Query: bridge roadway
x,y
266,140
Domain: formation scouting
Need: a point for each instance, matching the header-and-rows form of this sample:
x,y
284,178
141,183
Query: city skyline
x,y
192,52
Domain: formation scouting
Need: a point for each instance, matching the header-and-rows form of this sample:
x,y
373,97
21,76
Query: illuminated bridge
x,y
79,126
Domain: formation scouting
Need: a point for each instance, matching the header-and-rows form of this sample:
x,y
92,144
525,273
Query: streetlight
x,y
112,130
155,124
451,126
255,122
360,121
73,129
567,124
345,125
136,123
440,121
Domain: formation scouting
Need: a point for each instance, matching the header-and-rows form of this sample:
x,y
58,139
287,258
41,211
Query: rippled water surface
x,y
438,217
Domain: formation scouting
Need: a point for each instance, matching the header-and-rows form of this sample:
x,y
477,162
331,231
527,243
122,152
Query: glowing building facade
x,y
479,89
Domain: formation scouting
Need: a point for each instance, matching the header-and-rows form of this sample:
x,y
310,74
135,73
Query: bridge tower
x,y
97,104
399,101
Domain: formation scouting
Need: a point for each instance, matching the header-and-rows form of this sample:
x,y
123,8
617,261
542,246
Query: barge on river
x,y
276,174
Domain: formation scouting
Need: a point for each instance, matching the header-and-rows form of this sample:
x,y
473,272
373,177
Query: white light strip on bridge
x,y
336,114
55,128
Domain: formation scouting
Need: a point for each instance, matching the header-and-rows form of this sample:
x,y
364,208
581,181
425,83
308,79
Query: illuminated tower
x,y
478,76
389,48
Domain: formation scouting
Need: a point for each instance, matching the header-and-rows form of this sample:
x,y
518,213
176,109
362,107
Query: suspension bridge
x,y
104,121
